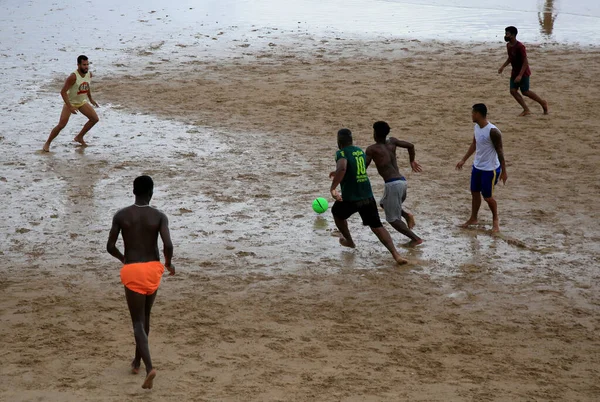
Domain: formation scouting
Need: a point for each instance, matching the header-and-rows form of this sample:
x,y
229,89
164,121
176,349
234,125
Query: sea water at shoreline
x,y
37,28
43,38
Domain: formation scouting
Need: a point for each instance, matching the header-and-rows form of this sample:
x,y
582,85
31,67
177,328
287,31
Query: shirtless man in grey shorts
x,y
383,153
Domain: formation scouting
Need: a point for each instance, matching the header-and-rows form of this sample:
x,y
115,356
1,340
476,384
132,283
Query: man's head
x,y
344,138
479,112
510,33
143,187
380,130
83,64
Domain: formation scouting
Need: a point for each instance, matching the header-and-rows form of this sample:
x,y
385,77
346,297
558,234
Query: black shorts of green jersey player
x,y
357,195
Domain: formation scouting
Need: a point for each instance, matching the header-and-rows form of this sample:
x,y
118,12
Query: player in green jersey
x,y
357,196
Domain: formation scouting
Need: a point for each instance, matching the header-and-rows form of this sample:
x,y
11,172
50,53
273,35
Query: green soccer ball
x,y
320,205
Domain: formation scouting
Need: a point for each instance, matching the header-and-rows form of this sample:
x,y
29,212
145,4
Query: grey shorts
x,y
393,196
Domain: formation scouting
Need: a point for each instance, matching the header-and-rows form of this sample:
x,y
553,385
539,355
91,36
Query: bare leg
x,y
475,205
410,219
384,237
494,208
137,308
535,97
515,93
88,111
401,227
65,114
136,363
149,380
342,225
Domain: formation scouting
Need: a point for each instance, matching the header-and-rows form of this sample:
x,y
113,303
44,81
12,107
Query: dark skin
x,y
514,91
140,226
69,109
383,153
342,224
496,138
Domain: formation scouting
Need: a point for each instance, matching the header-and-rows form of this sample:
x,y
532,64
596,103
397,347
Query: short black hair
x,y
512,30
382,129
344,136
143,185
81,58
480,108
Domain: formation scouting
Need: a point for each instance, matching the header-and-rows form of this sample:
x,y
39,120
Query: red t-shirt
x,y
516,55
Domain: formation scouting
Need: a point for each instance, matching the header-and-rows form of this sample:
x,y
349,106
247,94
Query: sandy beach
x,y
266,306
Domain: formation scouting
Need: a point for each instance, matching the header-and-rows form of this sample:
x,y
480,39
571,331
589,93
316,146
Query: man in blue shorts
x,y
519,76
488,165
357,195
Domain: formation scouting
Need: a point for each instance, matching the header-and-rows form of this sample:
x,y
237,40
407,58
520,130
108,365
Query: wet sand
x,y
266,305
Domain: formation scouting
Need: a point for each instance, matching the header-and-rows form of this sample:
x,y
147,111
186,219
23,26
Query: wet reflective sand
x,y
266,305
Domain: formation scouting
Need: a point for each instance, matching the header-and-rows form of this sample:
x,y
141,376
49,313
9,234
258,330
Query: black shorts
x,y
367,209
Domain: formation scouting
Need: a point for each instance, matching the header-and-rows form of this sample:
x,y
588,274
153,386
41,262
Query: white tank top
x,y
79,91
486,157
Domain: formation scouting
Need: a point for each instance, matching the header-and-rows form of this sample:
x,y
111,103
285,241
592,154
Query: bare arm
x,y
340,172
369,153
496,138
113,236
165,236
405,144
411,153
506,63
470,152
63,92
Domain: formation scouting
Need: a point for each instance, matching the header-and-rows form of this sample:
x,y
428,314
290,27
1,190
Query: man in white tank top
x,y
75,93
488,165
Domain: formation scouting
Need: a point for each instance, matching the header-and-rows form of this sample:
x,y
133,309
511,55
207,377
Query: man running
x,y
519,76
383,153
357,196
488,165
141,273
75,93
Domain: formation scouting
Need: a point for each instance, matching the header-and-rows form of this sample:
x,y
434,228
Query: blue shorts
x,y
523,84
483,181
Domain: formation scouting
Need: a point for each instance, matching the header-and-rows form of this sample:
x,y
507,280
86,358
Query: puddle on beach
x,y
224,196
60,205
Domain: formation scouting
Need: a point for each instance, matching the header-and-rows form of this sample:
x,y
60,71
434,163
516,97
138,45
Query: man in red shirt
x,y
519,77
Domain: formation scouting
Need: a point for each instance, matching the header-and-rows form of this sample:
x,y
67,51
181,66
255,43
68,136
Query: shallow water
x,y
80,183
471,20
37,41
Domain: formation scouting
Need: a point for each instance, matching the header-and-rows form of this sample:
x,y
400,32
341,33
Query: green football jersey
x,y
355,185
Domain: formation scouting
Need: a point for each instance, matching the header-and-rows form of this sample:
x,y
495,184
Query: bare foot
x,y
400,260
81,141
495,227
468,223
410,221
46,147
525,113
545,107
415,243
347,243
149,381
135,368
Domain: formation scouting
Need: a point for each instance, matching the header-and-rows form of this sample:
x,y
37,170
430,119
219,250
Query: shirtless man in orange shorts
x,y
76,92
140,225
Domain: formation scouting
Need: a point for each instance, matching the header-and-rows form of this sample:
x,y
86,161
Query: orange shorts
x,y
142,277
